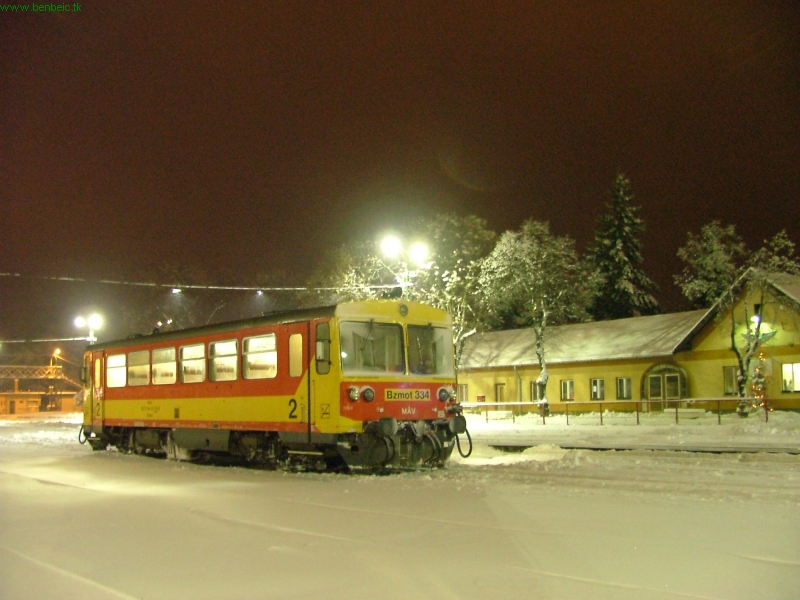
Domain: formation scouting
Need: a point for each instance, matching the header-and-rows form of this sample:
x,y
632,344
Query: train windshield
x,y
371,348
430,350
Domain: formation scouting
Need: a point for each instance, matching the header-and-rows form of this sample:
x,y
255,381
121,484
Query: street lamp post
x,y
417,255
58,357
93,322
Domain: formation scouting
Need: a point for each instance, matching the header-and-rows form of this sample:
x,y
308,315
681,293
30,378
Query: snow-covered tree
x,y
354,271
448,280
714,259
617,254
533,278
720,271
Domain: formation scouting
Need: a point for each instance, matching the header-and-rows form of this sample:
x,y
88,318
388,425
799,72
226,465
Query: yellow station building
x,y
668,358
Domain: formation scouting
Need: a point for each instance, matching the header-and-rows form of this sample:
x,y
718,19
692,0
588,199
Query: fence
x,y
544,409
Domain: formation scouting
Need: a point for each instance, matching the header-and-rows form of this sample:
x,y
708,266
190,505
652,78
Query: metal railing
x,y
544,409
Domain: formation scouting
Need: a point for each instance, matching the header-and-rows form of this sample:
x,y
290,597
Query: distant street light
x,y
94,321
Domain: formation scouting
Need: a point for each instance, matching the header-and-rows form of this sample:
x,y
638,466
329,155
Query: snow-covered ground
x,y
548,522
694,430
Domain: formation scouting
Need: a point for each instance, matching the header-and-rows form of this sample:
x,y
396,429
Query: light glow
x,y
418,253
391,246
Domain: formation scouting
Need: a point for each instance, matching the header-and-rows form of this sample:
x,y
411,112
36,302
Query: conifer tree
x,y
617,255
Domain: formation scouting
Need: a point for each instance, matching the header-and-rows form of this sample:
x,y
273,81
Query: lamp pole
x,y
93,322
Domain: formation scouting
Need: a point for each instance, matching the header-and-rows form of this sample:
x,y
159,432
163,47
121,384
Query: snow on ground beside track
x,y
543,523
694,429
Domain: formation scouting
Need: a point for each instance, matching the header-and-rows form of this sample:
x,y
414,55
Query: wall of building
x,y
482,382
711,347
21,403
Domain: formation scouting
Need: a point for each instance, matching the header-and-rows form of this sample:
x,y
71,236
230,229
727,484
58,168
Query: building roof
x,y
785,284
789,285
637,337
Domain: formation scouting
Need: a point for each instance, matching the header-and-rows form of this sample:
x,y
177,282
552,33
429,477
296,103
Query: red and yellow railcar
x,y
362,384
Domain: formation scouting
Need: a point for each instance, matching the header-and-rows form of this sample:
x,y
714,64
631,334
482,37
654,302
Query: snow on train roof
x,y
637,337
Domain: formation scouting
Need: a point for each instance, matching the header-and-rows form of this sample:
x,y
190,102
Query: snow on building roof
x,y
788,284
637,337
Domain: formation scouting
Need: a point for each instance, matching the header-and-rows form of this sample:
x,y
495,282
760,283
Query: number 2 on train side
x,y
293,405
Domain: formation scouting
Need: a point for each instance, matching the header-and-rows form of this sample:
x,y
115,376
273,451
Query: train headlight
x,y
353,393
368,394
446,393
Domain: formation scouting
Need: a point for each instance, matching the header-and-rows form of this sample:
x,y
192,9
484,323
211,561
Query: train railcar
x,y
359,384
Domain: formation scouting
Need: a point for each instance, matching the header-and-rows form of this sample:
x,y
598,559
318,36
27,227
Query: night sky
x,y
246,137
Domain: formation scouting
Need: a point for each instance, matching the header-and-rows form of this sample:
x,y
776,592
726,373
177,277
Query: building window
x,y
223,360
567,389
598,388
260,357
139,368
790,374
193,363
672,384
537,391
115,371
729,387
624,388
654,385
164,366
462,392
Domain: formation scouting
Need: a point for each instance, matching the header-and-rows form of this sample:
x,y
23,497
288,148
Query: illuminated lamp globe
x,y
418,253
391,246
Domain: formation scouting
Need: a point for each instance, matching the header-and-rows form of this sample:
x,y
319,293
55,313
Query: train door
x,y
324,386
97,391
299,404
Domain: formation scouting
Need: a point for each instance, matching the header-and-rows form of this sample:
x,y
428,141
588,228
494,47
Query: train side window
x,y
223,360
323,348
164,366
139,368
193,363
260,357
296,355
115,371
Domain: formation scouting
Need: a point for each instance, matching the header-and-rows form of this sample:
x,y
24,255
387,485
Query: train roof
x,y
273,318
366,308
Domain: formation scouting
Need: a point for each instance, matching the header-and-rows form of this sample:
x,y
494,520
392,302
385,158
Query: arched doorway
x,y
666,382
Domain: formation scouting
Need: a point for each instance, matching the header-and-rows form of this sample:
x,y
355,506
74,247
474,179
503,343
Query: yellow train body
x,y
363,384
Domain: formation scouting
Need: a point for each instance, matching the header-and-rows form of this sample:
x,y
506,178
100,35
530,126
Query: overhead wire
x,y
190,286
